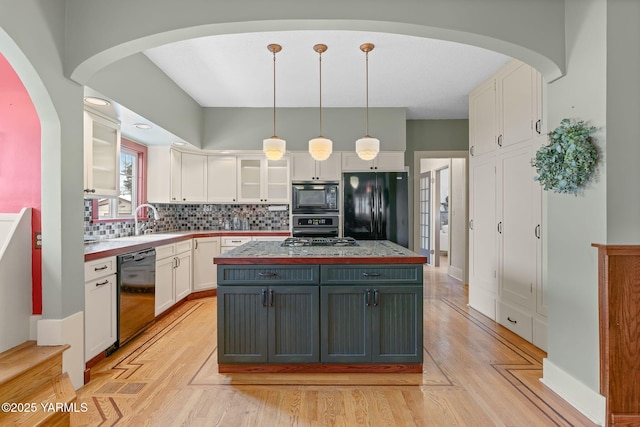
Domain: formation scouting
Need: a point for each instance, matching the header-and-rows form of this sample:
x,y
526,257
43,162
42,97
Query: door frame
x,y
454,154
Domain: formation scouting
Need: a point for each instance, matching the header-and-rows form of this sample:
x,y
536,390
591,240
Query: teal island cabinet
x,y
320,309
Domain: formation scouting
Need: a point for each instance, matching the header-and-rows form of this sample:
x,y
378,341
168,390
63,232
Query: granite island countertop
x,y
367,252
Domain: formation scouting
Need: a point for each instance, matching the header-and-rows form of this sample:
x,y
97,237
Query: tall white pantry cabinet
x,y
505,203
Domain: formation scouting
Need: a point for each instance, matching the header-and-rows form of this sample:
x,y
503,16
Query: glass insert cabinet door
x,y
102,156
263,181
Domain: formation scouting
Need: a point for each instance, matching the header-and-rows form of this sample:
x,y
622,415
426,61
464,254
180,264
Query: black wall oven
x,y
315,198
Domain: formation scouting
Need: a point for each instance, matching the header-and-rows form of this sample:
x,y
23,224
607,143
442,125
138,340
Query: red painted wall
x,y
20,161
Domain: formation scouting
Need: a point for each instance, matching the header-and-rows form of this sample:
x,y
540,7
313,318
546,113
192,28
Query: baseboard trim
x,y
69,330
456,273
581,397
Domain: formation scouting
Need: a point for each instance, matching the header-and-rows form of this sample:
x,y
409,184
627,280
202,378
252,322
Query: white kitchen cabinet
x,y
305,168
101,156
483,123
385,161
173,274
222,179
507,109
263,181
505,215
204,270
176,176
100,306
230,242
193,174
483,285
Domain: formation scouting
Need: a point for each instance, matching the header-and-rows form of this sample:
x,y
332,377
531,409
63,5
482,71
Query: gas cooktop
x,y
319,241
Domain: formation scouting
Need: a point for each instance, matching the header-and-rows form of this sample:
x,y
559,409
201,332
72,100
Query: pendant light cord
x,y
320,62
367,91
274,93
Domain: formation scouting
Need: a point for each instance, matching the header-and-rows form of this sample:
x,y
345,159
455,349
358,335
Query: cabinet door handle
x,y
271,297
263,297
537,231
376,297
102,283
499,140
365,274
367,298
471,150
261,274
104,267
470,224
195,244
500,227
512,321
539,126
89,190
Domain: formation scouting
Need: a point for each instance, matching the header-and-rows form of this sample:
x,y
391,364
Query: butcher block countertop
x,y
367,252
111,247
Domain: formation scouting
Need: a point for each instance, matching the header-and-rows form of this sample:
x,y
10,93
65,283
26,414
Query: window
x,y
132,185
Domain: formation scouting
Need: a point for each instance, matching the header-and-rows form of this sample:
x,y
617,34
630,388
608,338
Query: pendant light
x,y
320,148
274,147
367,147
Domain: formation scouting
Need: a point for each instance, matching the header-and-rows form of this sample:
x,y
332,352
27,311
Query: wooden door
x,y
345,324
293,324
242,324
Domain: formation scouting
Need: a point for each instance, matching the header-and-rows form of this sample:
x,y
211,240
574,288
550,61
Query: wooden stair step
x,y
25,367
49,405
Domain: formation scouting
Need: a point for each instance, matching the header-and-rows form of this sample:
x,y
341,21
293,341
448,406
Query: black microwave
x,y
314,197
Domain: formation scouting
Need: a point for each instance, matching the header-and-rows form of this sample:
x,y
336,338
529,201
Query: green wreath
x,y
568,161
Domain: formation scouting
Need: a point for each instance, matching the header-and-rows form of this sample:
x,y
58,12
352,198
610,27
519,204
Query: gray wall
x,y
435,139
245,128
573,223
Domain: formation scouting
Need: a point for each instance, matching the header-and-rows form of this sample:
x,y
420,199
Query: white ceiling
x,y
430,78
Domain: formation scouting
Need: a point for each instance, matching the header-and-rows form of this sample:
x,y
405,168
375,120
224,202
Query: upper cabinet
x,y
222,179
263,181
507,109
385,161
305,168
101,156
186,180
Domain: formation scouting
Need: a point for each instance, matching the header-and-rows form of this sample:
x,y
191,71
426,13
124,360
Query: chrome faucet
x,y
138,229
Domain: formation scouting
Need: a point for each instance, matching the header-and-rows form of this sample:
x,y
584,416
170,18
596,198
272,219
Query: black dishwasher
x,y
136,293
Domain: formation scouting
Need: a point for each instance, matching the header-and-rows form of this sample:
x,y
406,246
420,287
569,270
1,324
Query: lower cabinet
x,y
173,274
364,324
204,270
320,314
268,324
100,306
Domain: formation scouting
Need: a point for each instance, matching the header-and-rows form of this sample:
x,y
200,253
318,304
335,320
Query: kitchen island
x,y
320,308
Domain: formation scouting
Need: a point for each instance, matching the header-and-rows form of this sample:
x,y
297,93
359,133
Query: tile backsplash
x,y
187,217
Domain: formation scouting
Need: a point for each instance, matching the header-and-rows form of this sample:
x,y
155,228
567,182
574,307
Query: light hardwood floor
x,y
476,373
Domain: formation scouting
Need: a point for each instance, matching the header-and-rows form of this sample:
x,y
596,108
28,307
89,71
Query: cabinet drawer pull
x,y
102,283
512,321
236,241
261,274
365,274
104,267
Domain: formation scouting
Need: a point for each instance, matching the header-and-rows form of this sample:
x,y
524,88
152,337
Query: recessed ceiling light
x,y
96,101
143,126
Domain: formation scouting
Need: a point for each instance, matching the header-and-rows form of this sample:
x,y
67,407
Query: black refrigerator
x,y
375,206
